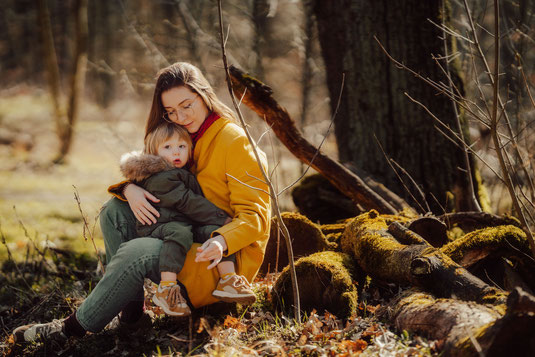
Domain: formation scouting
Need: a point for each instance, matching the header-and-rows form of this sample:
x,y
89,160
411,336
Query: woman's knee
x,y
118,225
116,212
138,249
138,254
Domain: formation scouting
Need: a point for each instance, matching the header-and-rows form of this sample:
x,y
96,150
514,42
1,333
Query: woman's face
x,y
184,107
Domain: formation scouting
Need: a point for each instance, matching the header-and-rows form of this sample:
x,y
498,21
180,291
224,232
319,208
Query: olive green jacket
x,y
181,197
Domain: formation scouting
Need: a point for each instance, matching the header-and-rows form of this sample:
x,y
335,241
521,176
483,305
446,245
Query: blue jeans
x,y
129,260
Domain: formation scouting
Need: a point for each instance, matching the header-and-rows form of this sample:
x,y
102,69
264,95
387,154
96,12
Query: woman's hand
x,y
212,250
138,200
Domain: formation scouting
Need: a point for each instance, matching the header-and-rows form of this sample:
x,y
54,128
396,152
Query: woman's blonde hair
x,y
184,74
163,132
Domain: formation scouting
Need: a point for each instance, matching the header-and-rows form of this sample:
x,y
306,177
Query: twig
x,y
86,227
324,137
455,134
471,193
422,195
21,275
494,78
297,304
422,209
494,130
243,183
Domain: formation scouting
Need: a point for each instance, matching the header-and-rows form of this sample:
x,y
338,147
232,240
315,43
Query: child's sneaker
x,y
46,332
171,301
234,289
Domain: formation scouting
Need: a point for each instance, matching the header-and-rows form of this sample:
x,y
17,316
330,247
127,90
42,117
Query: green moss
x,y
335,227
482,193
325,282
306,237
367,239
493,238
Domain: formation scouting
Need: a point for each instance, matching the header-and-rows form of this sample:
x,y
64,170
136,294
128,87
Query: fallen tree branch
x,y
258,97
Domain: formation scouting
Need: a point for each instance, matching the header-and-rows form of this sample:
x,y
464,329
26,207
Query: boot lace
x,y
240,281
175,297
50,329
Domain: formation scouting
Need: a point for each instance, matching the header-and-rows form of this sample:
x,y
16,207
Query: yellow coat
x,y
230,177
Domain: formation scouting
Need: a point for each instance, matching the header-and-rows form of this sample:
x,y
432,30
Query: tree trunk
x,y
77,79
374,108
325,284
52,70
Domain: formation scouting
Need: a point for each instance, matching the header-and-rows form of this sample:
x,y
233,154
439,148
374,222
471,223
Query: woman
x,y
230,177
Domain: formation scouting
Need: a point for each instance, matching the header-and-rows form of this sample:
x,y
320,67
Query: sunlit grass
x,y
37,202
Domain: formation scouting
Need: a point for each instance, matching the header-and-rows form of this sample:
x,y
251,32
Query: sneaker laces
x,y
241,281
175,297
50,328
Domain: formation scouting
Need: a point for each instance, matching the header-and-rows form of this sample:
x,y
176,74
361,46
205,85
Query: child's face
x,y
174,150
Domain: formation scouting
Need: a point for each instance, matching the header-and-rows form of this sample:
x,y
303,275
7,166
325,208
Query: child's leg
x,y
226,268
177,237
168,276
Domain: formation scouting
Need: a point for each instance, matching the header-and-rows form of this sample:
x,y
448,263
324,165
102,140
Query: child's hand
x,y
228,220
212,250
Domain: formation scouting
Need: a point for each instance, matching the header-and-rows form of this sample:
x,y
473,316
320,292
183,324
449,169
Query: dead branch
x,y
475,220
257,96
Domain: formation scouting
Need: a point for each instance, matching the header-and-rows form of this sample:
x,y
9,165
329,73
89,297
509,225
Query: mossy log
x,y
469,221
410,260
307,238
466,328
500,255
479,244
325,283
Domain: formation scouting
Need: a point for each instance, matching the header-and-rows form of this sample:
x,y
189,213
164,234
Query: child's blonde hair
x,y
163,132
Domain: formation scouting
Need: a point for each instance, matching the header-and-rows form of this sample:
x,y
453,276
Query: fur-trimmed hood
x,y
137,166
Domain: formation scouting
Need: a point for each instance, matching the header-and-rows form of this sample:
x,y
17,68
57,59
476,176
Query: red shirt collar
x,y
210,119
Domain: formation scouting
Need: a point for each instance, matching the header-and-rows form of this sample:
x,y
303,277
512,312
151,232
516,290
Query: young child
x,y
185,216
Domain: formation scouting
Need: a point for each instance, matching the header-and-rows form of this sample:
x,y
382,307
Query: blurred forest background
x,y
126,43
77,79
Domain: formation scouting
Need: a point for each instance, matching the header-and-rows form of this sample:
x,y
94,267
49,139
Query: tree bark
x,y
257,96
374,108
465,328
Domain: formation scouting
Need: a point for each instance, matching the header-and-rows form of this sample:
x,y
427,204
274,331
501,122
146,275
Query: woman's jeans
x,y
129,260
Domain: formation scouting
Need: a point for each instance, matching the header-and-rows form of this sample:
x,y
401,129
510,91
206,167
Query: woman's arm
x,y
248,195
137,199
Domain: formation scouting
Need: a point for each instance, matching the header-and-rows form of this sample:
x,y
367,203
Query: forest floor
x,y
50,242
53,282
